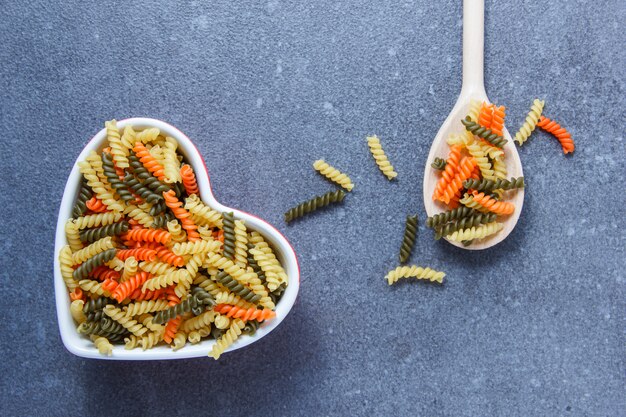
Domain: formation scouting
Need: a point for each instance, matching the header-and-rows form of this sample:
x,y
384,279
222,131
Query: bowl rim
x,y
82,346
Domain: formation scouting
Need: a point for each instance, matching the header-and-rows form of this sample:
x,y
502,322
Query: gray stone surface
x,y
533,327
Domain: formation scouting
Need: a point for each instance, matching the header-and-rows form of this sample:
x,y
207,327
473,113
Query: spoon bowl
x,y
473,88
81,345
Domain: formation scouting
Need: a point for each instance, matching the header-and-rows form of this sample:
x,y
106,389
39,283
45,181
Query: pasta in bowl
x,y
148,265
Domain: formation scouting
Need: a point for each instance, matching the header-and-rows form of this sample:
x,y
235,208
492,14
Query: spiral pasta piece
x,y
72,235
466,168
476,232
241,244
86,267
563,136
227,339
156,267
222,322
93,287
414,272
95,248
125,289
267,267
499,168
378,153
165,255
76,309
202,214
89,168
229,235
138,214
166,280
530,123
225,297
236,287
474,109
95,205
92,235
490,185
146,136
200,246
131,266
203,320
485,117
95,220
190,304
171,331
148,235
148,161
128,139
245,314
145,177
84,194
484,133
140,254
102,344
497,120
143,192
263,246
450,170
142,307
189,180
484,203
170,161
115,263
464,223
182,215
131,325
408,239
66,262
333,174
217,261
115,142
482,161
438,164
314,204
117,184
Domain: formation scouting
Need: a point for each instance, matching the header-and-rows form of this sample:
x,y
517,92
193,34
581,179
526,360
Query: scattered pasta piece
x,y
414,272
408,240
333,174
381,159
559,132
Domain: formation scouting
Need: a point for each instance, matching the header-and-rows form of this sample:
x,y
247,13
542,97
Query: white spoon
x,y
473,88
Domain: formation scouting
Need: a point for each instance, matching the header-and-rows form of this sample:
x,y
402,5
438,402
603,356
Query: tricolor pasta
x,y
146,259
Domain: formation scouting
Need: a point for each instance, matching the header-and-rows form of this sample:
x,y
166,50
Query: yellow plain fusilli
x,y
476,232
73,236
65,260
227,338
171,165
531,121
333,174
97,220
118,151
202,214
119,316
381,159
414,272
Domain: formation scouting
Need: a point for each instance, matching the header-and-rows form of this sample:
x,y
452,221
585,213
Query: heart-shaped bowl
x,y
79,344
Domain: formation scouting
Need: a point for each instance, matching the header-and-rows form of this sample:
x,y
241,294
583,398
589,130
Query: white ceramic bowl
x,y
81,345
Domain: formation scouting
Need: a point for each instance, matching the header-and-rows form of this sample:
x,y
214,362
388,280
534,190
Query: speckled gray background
x,y
533,327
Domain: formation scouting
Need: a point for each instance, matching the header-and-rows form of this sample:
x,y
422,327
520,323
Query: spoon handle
x,y
473,45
